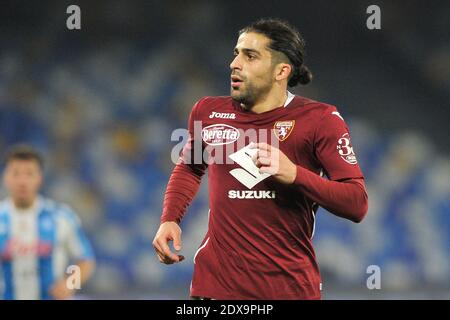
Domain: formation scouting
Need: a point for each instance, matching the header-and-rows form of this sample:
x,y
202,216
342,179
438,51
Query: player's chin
x,y
236,93
24,200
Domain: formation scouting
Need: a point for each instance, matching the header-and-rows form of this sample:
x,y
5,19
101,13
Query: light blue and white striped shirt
x,y
36,246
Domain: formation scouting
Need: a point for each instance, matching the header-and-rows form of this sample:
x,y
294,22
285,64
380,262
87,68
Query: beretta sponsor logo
x,y
219,134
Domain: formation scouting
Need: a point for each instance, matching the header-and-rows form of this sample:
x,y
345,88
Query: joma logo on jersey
x,y
219,134
251,194
222,115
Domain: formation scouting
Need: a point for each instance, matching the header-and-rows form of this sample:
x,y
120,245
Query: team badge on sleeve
x,y
345,149
283,129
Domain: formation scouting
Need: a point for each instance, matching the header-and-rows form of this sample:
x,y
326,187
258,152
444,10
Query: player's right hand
x,y
168,231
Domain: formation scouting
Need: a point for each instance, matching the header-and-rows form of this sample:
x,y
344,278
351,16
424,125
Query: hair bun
x,y
301,75
305,76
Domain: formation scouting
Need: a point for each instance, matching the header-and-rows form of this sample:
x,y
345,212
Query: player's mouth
x,y
236,81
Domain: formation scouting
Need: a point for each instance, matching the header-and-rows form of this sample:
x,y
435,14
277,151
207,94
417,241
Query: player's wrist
x,y
298,175
293,174
169,220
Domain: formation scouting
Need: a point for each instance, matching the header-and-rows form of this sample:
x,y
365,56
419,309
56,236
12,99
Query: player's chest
x,y
228,133
28,237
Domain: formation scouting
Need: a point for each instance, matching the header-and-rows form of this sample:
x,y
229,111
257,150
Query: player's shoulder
x,y
3,218
60,210
318,113
213,100
209,103
318,108
4,207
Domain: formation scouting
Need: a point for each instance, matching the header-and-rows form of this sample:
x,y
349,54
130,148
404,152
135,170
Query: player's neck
x,y
22,205
274,99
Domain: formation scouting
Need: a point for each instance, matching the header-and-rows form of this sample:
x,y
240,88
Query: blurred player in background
x,y
263,204
38,237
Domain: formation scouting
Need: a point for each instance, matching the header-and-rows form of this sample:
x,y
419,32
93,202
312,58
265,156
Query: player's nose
x,y
235,64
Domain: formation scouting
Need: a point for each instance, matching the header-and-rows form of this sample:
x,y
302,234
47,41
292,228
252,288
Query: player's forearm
x,y
345,199
86,270
63,289
182,187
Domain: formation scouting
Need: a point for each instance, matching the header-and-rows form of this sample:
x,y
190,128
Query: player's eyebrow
x,y
247,51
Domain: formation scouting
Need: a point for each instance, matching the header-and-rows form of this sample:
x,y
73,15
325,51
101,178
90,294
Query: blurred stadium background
x,y
101,104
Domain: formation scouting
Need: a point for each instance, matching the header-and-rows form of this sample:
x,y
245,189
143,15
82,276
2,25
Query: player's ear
x,y
283,70
41,178
5,175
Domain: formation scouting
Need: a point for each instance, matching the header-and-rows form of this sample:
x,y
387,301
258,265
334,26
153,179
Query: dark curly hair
x,y
285,39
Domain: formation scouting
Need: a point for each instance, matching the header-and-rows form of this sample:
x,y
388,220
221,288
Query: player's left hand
x,y
273,161
60,291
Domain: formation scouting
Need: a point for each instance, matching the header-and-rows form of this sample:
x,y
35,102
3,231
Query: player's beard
x,y
250,94
24,199
23,203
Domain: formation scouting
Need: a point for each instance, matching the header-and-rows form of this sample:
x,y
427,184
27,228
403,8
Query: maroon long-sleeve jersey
x,y
258,244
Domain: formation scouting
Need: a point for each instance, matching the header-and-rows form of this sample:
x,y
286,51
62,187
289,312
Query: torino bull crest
x,y
283,129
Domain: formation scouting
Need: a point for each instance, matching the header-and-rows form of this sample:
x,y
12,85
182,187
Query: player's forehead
x,y
22,164
253,41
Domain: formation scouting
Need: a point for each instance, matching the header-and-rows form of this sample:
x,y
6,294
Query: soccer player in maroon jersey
x,y
263,202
